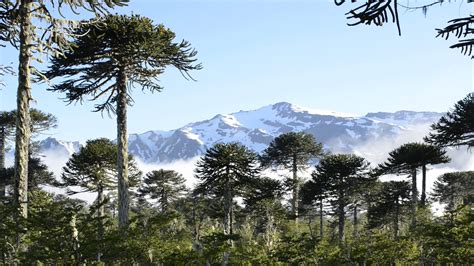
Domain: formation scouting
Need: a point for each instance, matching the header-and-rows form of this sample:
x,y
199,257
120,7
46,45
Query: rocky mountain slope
x,y
256,128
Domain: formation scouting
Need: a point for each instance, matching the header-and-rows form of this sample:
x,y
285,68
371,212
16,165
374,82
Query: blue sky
x,y
257,53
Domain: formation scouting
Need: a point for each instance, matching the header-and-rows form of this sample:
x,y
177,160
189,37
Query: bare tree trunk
x,y
423,186
414,197
296,188
100,216
395,221
3,139
355,233
321,214
2,159
227,206
164,201
100,212
269,229
122,154
74,238
227,214
23,110
342,214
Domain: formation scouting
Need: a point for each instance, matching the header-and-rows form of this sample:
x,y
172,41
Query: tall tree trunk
x,y
164,201
227,205
296,190
395,221
100,212
342,214
23,110
414,197
423,186
355,233
122,154
100,216
74,238
3,137
321,218
269,229
227,214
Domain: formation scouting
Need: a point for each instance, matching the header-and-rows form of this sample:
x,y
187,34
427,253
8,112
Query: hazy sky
x,y
258,52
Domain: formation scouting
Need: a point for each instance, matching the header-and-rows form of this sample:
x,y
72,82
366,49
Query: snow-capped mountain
x,y
256,128
58,147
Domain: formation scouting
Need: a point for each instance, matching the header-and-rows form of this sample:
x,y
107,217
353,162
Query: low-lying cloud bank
x,y
374,150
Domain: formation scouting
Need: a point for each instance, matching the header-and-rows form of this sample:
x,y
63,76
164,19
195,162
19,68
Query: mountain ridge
x,y
257,128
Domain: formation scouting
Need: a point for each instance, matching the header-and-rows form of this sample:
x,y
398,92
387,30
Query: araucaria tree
x,y
110,58
19,25
343,173
165,186
314,192
39,123
292,151
456,128
224,171
406,159
388,205
93,169
455,190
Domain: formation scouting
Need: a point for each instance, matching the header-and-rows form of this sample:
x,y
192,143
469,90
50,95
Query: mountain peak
x,y
257,128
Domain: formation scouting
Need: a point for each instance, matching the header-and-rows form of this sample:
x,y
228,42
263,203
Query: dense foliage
x,y
236,214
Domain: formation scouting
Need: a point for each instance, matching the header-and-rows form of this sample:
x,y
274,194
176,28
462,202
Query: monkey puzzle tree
x,y
315,191
456,128
32,27
93,169
166,186
406,159
263,201
343,174
292,151
388,205
455,189
39,123
429,155
225,170
110,58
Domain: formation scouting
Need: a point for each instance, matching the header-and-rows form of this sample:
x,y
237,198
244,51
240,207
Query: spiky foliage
x,y
409,156
165,186
460,28
110,58
344,174
380,12
388,205
292,151
406,159
224,171
456,128
132,47
93,168
455,189
373,12
39,123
